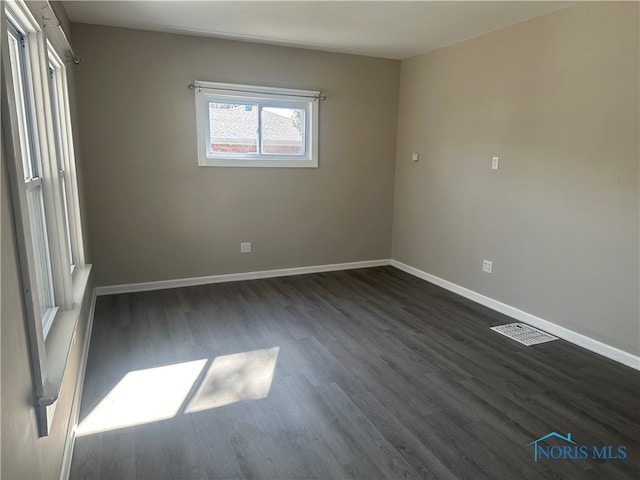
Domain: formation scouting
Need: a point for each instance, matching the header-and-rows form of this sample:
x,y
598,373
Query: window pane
x,y
283,131
66,221
44,278
233,128
57,126
15,48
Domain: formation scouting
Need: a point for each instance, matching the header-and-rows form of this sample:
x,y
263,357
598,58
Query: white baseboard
x,y
234,277
576,338
77,396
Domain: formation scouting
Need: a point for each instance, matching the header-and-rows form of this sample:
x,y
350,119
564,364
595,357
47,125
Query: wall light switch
x,y
415,156
494,163
245,247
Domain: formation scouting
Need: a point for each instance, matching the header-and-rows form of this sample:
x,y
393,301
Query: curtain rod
x,y
193,86
58,23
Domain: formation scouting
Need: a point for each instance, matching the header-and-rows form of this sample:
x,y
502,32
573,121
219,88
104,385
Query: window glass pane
x,y
283,131
57,126
40,246
15,47
233,128
66,222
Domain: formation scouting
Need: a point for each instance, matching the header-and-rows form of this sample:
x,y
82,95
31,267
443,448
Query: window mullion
x,y
260,143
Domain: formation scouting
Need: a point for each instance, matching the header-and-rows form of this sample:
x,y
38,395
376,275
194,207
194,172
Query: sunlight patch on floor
x,y
155,394
143,396
234,378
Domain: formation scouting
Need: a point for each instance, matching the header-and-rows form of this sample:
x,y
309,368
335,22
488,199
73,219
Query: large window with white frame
x,y
32,171
59,89
255,126
38,141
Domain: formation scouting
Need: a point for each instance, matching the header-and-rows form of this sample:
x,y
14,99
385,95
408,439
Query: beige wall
x,y
556,99
24,453
153,214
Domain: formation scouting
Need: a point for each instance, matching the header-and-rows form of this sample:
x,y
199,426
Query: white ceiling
x,y
391,29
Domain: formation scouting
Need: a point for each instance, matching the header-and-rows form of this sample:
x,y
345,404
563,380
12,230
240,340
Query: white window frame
x,y
59,89
30,132
207,92
32,108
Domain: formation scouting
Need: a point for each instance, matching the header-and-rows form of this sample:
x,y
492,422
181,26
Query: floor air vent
x,y
523,333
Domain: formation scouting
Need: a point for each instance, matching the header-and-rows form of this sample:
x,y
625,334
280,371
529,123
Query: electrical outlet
x,y
494,163
245,247
487,266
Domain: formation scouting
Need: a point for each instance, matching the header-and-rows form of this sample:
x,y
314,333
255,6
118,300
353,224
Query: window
x,y
38,145
32,171
58,89
250,126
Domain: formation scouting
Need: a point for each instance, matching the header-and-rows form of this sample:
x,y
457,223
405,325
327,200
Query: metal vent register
x,y
523,333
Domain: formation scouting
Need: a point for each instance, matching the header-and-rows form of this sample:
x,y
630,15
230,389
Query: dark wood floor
x,y
378,375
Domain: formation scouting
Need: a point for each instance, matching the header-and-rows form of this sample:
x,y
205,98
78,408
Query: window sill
x,y
282,162
59,341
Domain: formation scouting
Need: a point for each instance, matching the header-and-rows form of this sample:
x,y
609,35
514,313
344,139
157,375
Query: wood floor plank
x,y
118,455
87,457
377,375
